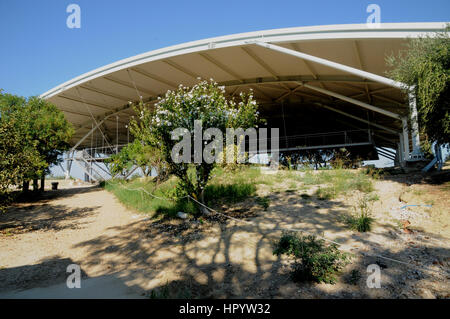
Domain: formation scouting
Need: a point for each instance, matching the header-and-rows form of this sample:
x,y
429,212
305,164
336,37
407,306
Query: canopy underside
x,y
277,80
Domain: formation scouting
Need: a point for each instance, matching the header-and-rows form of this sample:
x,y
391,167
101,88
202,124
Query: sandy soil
x,y
86,225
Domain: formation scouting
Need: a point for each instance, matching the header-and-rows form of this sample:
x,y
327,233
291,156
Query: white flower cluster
x,y
204,101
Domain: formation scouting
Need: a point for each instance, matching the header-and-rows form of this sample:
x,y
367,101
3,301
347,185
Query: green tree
x,y
146,157
206,102
50,131
425,65
18,154
120,162
16,159
40,128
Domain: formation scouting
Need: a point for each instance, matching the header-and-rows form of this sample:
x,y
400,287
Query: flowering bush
x,y
205,102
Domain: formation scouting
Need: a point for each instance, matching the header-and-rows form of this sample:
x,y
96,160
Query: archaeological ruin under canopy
x,y
322,86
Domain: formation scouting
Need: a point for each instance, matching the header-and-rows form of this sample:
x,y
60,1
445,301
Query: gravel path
x,y
39,240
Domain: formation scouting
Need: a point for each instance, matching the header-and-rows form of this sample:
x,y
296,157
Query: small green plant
x,y
326,193
374,172
314,260
264,202
399,224
161,293
446,186
336,182
231,192
373,197
361,183
361,220
168,197
354,277
182,205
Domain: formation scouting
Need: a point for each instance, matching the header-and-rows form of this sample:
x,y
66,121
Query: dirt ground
x,y
86,225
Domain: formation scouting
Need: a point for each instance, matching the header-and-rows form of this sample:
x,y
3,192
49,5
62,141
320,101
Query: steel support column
x,y
405,138
417,153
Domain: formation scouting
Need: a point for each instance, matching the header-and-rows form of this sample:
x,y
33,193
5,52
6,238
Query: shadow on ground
x,y
38,196
417,177
183,259
233,259
48,280
39,214
43,218
49,271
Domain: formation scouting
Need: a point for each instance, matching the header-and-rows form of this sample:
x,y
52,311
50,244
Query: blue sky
x,y
38,51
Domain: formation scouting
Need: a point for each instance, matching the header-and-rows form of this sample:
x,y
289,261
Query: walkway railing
x,y
322,140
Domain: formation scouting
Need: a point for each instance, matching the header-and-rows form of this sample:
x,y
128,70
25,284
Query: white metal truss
x,y
354,101
334,65
387,129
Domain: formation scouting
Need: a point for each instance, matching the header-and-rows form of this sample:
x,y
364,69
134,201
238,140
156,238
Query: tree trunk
x,y
26,186
35,184
201,198
42,183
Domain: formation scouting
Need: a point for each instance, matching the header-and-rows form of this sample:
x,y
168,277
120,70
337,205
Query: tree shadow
x,y
188,260
46,272
417,177
43,217
48,195
185,259
48,280
223,258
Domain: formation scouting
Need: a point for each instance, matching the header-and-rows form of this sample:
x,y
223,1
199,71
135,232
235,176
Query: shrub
x,y
314,260
205,105
354,277
342,158
361,221
326,193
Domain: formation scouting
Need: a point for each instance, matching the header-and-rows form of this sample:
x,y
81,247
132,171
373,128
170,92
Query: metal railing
x,y
321,140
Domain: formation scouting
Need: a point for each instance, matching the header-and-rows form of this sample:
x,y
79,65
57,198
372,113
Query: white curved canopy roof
x,y
238,63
